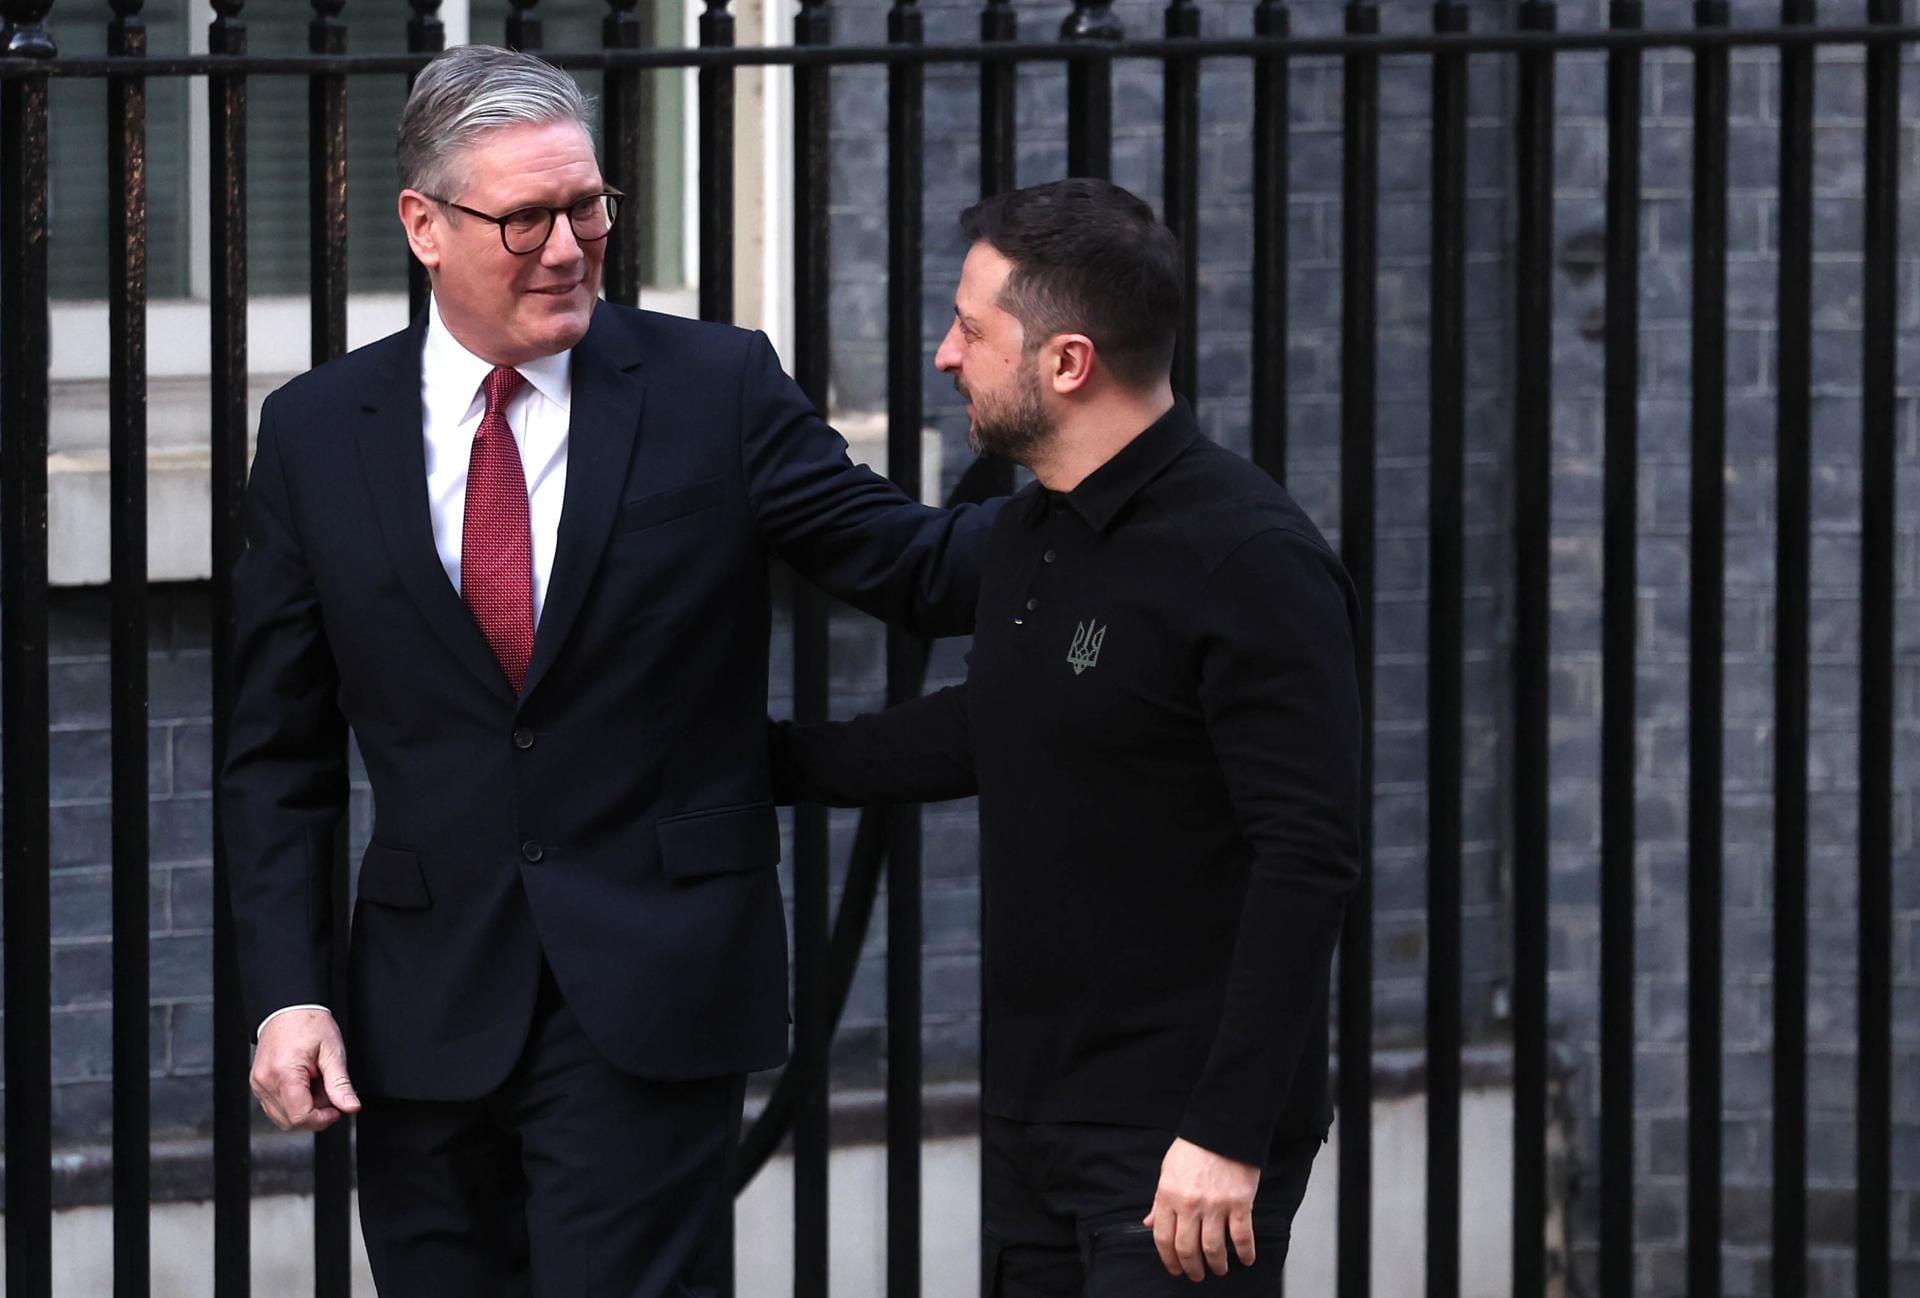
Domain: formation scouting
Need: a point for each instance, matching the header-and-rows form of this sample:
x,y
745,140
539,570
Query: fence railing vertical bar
x,y
1873,1242
425,34
1618,615
327,285
1359,319
1180,185
127,565
906,658
25,841
999,79
1706,643
1532,533
524,29
813,1004
1446,551
999,169
1090,89
622,155
1268,422
1792,567
227,319
716,92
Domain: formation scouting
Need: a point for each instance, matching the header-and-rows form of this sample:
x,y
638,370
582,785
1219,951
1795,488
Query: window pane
x,y
277,157
575,25
77,253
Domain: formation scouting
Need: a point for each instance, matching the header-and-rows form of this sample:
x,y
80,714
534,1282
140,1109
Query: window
x,y
277,188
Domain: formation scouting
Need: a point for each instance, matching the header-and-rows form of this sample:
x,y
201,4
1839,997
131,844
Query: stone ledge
x,y
179,478
182,1170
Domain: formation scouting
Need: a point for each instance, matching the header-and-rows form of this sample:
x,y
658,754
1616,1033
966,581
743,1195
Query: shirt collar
x,y
451,376
1103,493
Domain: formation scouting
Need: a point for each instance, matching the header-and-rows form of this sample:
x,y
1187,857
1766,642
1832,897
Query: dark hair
x,y
1088,257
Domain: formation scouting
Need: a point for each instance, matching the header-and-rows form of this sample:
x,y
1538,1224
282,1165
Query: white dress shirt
x,y
451,404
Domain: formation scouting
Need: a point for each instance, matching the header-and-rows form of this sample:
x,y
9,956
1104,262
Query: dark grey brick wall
x,y
1664,472
179,769
1314,357
179,750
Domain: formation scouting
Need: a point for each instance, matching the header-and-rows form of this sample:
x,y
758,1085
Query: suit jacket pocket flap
x,y
664,506
722,841
392,877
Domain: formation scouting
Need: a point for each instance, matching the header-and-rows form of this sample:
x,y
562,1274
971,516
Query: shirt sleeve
x,y
1279,690
286,1009
917,751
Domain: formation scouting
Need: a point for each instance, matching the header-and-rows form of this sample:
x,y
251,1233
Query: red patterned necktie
x,y
496,540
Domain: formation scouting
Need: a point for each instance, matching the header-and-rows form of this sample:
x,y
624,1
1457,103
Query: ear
x,y
1067,363
419,219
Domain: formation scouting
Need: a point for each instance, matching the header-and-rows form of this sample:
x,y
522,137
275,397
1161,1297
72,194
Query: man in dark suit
x,y
521,550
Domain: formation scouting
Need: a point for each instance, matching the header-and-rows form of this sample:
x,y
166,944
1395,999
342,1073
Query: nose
x,y
561,248
947,359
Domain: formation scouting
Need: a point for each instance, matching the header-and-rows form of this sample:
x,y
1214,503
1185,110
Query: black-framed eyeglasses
x,y
525,230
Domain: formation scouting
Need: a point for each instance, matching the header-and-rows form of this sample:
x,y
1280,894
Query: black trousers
x,y
572,1180
1062,1204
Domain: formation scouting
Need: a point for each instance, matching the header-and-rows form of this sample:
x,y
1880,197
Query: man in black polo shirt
x,y
1162,722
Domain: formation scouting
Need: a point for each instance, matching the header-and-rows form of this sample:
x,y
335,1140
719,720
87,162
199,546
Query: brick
x,y
190,1038
180,686
80,763
182,1106
189,889
82,973
1659,1214
82,1042
182,966
81,903
191,760
82,1112
182,829
81,834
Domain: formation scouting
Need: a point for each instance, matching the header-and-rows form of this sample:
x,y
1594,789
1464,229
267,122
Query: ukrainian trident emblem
x,y
1087,639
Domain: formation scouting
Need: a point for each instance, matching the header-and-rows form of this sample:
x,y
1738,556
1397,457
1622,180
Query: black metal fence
x,y
825,954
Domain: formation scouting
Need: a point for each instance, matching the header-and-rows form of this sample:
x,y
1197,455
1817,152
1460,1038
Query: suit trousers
x,y
573,1179
1062,1205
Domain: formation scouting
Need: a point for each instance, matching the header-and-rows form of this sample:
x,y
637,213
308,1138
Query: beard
x,y
1016,425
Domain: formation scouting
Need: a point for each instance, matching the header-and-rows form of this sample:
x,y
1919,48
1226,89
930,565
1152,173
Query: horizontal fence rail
x,y
889,846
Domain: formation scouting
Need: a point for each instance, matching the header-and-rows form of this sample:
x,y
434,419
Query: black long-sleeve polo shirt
x,y
1161,718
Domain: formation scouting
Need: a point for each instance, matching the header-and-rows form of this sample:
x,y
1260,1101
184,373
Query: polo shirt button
x,y
1032,604
1048,557
523,738
532,850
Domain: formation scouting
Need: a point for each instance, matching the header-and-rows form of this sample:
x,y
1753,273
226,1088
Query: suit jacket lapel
x,y
393,455
608,392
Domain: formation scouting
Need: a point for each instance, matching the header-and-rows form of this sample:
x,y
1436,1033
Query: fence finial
x,y
425,32
523,26
1092,20
26,31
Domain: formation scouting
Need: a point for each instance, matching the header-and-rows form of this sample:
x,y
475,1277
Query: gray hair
x,y
472,89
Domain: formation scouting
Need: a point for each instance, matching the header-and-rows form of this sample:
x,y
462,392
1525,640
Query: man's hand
x,y
300,1072
1204,1198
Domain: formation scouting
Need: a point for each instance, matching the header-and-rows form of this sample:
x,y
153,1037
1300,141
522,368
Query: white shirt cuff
x,y
286,1009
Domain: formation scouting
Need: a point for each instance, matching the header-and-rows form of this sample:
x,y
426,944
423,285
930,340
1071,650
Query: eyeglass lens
x,y
527,230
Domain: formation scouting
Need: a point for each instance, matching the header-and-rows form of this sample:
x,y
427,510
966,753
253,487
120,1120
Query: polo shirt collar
x,y
1106,491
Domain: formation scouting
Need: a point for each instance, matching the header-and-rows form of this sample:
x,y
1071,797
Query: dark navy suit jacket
x,y
616,818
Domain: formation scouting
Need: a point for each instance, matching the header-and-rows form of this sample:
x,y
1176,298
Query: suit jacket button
x,y
523,738
532,850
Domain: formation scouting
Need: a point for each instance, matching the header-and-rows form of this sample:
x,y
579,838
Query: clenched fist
x,y
300,1072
